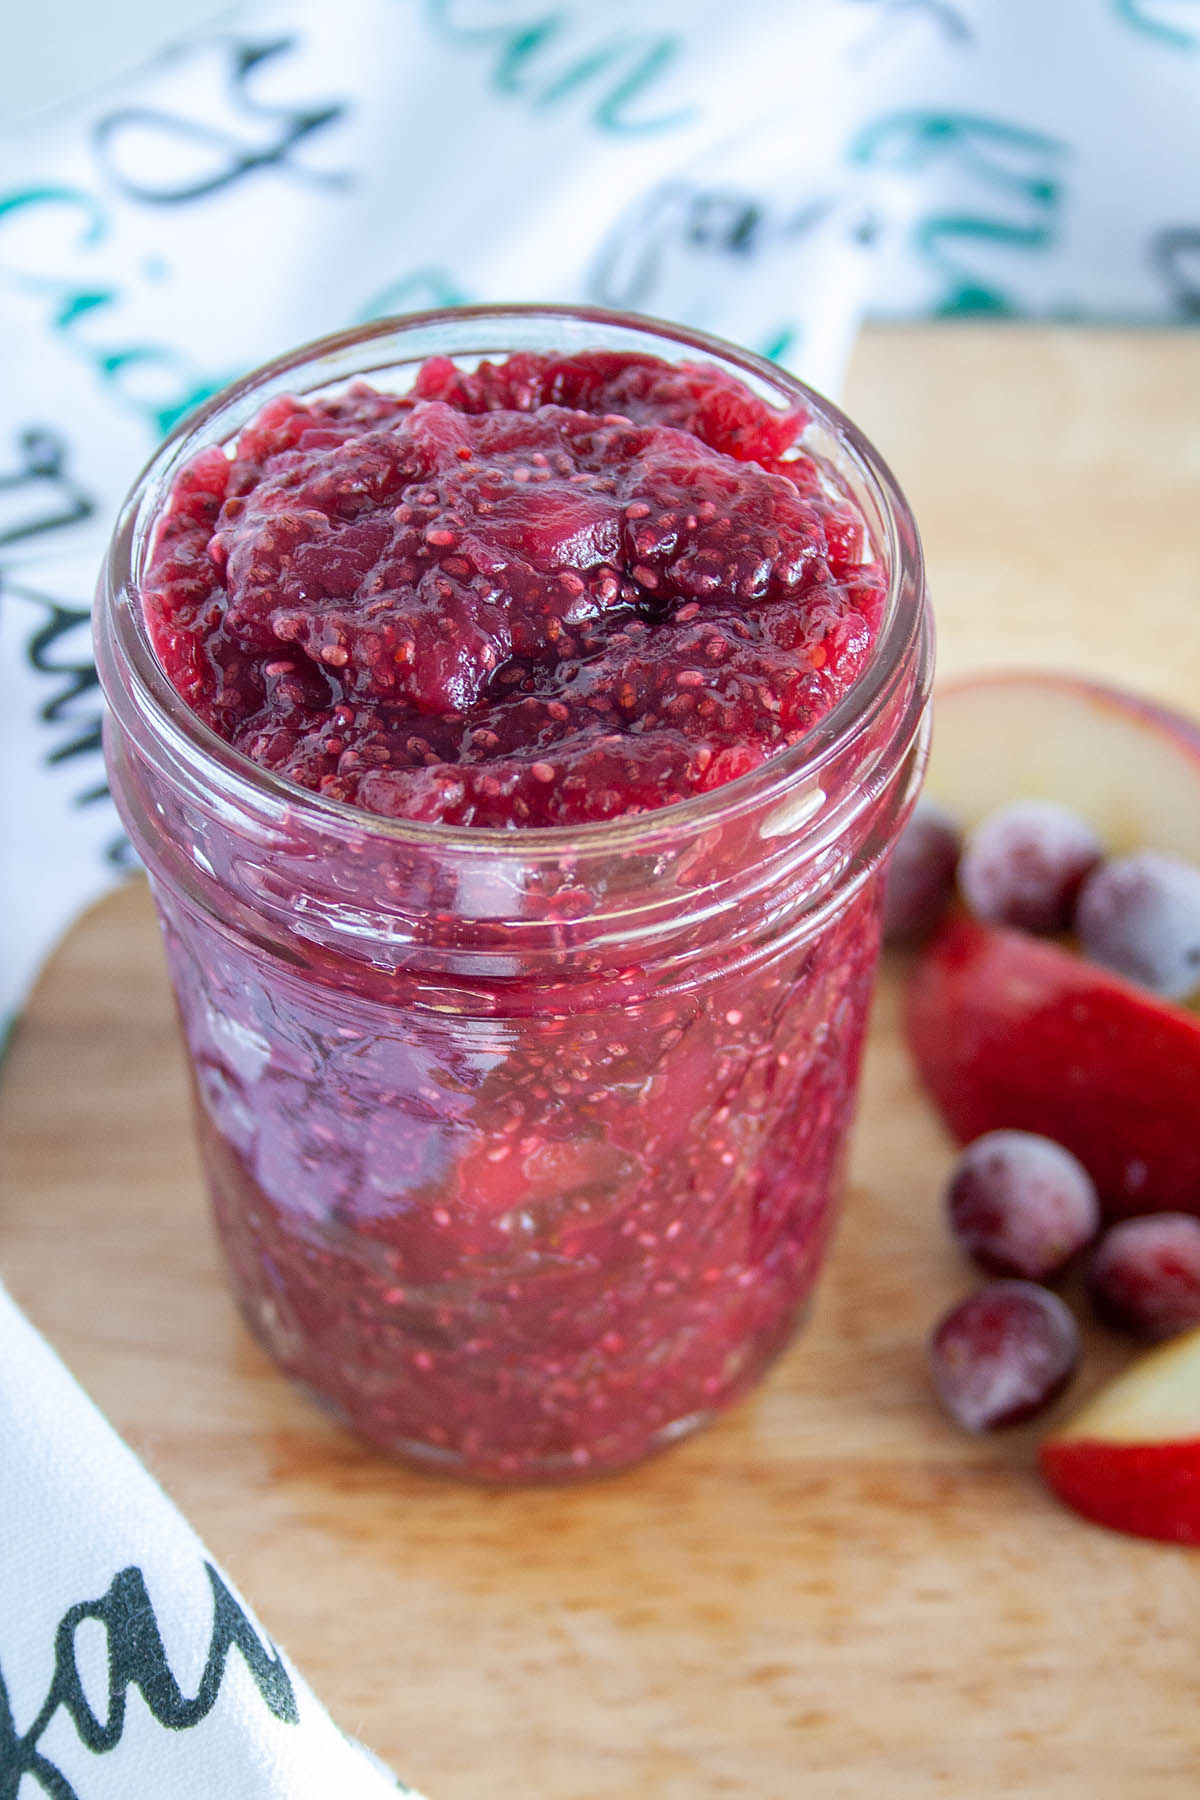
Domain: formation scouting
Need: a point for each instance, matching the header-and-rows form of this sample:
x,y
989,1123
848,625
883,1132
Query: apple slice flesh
x,y
1013,1032
1130,1459
1156,1400
1130,767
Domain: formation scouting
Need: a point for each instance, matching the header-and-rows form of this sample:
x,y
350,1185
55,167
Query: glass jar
x,y
522,1145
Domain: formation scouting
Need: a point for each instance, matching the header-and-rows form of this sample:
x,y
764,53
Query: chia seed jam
x,y
524,990
552,591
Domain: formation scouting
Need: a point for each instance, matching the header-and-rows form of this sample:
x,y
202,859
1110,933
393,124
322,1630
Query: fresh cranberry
x,y
920,875
1145,1275
1021,1205
1003,1355
1024,864
1140,916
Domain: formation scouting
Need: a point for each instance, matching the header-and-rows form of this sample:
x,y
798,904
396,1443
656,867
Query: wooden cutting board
x,y
832,1592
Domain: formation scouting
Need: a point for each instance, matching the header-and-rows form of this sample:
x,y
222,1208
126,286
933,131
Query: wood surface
x,y
832,1592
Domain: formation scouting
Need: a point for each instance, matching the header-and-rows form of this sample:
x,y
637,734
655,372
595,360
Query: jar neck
x,y
659,890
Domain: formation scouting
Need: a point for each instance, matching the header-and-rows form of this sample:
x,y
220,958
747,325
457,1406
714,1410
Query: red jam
x,y
546,592
528,1230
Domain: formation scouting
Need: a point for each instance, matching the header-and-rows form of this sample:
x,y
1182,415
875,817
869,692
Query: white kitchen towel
x,y
130,1667
766,170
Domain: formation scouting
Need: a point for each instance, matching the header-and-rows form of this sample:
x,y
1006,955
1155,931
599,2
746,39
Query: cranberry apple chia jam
x,y
548,591
512,710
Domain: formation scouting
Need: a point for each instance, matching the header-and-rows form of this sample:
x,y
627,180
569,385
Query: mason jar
x,y
523,1145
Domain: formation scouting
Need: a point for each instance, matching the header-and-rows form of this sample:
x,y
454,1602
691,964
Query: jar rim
x,y
121,620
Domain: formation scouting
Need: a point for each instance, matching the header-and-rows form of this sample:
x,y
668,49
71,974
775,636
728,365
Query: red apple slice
x,y
1131,1458
1010,1031
1128,766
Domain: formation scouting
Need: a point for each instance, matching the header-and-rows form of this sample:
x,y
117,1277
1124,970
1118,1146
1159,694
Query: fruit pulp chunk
x,y
546,592
542,592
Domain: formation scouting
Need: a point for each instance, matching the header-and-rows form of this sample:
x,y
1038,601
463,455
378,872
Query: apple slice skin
x,y
1146,1490
1010,1032
1130,1459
